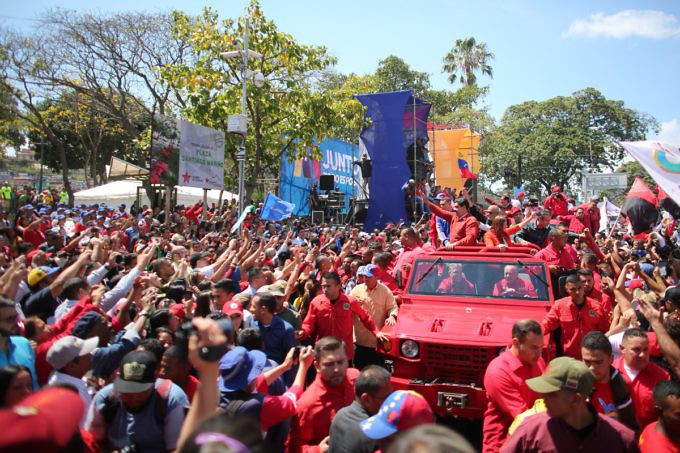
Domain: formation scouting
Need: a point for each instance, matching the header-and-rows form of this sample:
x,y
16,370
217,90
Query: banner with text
x,y
201,156
186,154
297,177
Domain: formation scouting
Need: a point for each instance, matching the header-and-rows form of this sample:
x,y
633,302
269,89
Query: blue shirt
x,y
20,353
278,337
140,428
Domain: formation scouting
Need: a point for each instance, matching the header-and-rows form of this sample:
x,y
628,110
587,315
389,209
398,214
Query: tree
x,y
89,136
285,115
116,59
557,137
465,58
27,68
394,74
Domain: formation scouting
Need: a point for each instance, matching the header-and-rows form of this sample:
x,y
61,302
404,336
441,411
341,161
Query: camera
x,y
207,353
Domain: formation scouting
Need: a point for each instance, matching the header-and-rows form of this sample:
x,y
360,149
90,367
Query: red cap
x,y
43,422
231,307
30,255
178,310
555,188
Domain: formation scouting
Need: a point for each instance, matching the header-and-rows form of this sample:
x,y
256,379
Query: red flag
x,y
667,203
640,207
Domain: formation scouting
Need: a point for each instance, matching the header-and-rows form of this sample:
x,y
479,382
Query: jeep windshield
x,y
487,279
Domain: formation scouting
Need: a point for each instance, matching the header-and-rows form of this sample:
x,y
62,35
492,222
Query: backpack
x,y
112,403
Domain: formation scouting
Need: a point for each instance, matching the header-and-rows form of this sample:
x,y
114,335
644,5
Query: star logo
x,y
186,177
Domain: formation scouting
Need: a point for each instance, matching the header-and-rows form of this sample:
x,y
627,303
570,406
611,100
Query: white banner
x,y
201,156
662,162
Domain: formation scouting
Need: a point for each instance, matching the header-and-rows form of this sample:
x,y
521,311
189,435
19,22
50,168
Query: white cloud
x,y
670,132
641,23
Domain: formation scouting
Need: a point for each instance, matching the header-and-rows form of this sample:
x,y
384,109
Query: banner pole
x,y
611,229
204,214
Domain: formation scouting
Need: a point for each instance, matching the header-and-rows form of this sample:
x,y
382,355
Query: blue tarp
x,y
386,141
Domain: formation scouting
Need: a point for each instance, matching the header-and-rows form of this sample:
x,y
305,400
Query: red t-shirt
x,y
603,400
652,441
191,387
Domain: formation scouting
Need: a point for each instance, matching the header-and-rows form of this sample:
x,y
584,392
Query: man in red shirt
x,y
569,422
464,227
507,393
178,370
640,374
332,315
558,254
576,222
511,285
664,434
577,315
410,249
332,389
610,393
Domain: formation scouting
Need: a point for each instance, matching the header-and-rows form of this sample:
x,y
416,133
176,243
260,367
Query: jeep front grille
x,y
460,364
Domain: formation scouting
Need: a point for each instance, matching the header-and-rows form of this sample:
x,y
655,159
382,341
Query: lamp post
x,y
240,125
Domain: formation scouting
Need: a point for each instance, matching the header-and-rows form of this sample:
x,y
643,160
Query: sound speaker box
x,y
326,182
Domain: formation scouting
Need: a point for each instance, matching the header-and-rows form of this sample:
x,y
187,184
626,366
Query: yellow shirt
x,y
379,303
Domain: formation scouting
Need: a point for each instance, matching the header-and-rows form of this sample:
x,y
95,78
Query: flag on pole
x,y
661,161
640,207
465,169
607,211
242,217
669,205
275,208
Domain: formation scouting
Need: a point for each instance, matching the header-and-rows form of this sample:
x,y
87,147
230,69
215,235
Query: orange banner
x,y
446,147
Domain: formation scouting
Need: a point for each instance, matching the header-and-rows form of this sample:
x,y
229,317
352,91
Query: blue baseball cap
x,y
28,206
442,196
239,367
402,410
367,270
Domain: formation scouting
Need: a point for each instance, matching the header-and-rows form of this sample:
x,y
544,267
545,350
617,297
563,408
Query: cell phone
x,y
296,353
663,272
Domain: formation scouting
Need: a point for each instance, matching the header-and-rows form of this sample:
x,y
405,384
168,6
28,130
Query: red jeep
x,y
456,315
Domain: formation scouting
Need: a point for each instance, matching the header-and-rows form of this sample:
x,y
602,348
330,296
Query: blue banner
x,y
275,208
297,177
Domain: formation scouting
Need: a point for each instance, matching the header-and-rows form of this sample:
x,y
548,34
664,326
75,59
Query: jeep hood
x,y
461,323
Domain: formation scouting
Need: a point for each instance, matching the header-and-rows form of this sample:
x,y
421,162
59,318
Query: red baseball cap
x,y
231,307
45,421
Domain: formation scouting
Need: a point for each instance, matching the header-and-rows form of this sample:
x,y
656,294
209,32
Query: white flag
x,y
662,162
607,210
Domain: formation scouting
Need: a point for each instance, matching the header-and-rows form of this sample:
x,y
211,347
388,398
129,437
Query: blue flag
x,y
275,208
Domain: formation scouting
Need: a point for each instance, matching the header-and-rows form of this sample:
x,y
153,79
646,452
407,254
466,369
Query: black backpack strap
x,y
111,405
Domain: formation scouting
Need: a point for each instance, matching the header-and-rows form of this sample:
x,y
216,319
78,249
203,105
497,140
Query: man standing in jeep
x,y
504,380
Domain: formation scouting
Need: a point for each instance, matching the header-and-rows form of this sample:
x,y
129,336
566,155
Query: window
x,y
486,279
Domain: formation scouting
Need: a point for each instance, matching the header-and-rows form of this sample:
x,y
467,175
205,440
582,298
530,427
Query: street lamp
x,y
239,123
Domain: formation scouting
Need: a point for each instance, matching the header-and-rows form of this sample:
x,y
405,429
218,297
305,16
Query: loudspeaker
x,y
317,217
326,182
360,214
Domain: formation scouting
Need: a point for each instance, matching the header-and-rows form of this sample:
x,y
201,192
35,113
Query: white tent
x,y
125,191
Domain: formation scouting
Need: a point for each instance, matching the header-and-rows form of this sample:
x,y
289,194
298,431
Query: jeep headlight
x,y
410,349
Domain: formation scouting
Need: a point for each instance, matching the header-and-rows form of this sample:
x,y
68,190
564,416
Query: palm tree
x,y
465,58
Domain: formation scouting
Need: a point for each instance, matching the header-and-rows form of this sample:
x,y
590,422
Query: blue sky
x,y
628,50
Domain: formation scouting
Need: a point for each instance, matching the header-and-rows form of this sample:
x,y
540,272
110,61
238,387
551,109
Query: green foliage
x,y
286,114
89,137
465,58
394,74
557,137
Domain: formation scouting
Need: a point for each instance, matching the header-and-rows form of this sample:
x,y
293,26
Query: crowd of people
x,y
154,331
